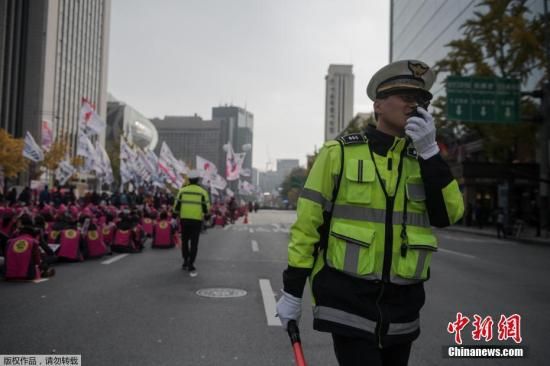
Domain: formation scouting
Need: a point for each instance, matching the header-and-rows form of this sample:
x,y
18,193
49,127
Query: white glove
x,y
422,133
289,308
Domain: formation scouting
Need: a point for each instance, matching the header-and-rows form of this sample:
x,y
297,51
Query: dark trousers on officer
x,y
191,230
361,352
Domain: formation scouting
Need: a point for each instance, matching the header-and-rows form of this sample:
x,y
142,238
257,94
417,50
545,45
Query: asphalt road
x,y
142,309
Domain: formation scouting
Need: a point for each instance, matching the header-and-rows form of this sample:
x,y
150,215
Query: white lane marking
x,y
40,280
456,253
262,230
269,303
255,247
114,259
227,226
251,231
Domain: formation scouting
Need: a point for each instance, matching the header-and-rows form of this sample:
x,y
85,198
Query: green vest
x,y
370,236
194,202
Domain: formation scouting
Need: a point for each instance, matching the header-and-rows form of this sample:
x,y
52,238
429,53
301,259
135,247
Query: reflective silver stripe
x,y
403,328
193,193
359,213
403,281
378,215
422,255
416,192
370,277
316,197
342,317
191,202
351,259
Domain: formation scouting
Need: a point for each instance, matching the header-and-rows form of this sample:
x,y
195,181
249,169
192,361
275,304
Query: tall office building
x,y
189,136
285,166
54,53
338,99
240,129
420,29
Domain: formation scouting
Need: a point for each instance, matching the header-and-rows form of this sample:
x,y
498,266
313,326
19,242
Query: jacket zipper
x,y
380,324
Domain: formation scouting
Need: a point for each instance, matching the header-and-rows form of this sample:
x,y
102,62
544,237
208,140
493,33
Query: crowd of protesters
x,y
41,228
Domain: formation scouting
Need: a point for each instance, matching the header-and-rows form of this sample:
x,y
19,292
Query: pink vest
x,y
70,245
163,235
94,243
147,224
108,232
123,238
22,256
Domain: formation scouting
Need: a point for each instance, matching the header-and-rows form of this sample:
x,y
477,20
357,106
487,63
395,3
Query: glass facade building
x,y
420,29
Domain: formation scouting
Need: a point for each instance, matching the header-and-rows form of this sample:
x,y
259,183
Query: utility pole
x,y
544,135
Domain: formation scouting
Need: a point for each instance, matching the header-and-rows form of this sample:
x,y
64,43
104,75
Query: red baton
x,y
294,335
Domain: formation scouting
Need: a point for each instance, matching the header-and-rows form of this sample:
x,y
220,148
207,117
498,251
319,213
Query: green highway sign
x,y
483,99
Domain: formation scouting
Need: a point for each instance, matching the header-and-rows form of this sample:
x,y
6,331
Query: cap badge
x,y
418,69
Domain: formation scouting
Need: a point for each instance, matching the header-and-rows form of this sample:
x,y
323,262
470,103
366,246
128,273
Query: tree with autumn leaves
x,y
11,155
502,40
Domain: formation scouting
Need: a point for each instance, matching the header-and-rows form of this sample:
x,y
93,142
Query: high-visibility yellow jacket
x,y
373,242
194,202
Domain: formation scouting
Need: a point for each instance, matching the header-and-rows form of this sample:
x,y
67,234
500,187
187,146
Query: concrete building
x,y
189,136
54,53
239,129
338,99
285,166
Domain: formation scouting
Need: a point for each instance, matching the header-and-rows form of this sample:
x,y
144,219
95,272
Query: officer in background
x,y
363,231
191,204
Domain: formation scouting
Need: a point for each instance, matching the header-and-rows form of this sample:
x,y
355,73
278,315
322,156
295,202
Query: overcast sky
x,y
180,57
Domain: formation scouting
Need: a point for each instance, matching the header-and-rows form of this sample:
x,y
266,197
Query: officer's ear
x,y
377,108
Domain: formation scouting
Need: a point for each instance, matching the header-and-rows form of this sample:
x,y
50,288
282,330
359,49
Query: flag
x,y
86,149
47,135
64,171
205,166
126,152
217,182
31,150
89,121
231,164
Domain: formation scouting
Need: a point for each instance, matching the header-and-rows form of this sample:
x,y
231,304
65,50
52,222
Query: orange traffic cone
x,y
245,218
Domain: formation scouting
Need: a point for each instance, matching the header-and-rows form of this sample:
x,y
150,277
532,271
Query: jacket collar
x,y
382,142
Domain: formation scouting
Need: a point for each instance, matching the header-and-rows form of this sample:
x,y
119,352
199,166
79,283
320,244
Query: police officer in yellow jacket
x,y
191,204
363,233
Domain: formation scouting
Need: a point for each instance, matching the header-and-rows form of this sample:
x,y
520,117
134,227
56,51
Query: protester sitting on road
x,y
23,258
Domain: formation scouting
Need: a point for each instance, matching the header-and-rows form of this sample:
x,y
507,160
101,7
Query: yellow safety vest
x,y
194,202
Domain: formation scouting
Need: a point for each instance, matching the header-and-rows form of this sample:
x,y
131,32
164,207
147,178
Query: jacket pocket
x,y
415,258
416,195
360,176
350,249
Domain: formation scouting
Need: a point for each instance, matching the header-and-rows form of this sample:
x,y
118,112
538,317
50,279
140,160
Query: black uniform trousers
x,y
361,352
190,232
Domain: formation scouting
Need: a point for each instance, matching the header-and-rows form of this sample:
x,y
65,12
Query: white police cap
x,y
193,174
403,75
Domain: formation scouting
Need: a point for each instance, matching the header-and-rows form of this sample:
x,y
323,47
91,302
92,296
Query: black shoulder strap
x,y
327,215
336,187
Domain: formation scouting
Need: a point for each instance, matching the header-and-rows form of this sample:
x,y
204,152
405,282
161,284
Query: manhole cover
x,y
221,292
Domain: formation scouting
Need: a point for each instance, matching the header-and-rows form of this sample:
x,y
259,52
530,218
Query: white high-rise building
x,y
54,53
338,99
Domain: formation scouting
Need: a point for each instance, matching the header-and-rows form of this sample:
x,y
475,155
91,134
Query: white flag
x,y
206,166
218,182
64,171
47,135
89,121
231,163
31,150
